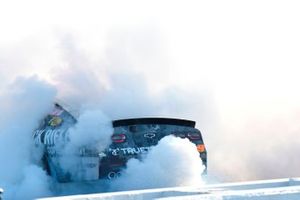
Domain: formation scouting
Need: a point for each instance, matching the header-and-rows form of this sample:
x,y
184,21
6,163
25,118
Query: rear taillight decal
x,y
201,148
118,138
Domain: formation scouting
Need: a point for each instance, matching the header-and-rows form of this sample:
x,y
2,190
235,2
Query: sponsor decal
x,y
149,135
129,151
47,137
55,121
152,132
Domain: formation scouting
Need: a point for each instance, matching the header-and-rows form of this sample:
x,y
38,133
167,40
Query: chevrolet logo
x,y
149,135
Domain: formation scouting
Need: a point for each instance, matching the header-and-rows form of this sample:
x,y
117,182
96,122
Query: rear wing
x,y
166,121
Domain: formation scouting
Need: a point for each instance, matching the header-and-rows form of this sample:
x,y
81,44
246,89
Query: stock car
x,y
131,138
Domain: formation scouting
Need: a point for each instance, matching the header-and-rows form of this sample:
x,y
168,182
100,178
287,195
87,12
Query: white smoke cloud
x,y
93,130
240,66
86,87
23,104
118,92
35,183
173,162
92,126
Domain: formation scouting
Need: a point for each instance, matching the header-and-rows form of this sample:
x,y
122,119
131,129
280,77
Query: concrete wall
x,y
261,190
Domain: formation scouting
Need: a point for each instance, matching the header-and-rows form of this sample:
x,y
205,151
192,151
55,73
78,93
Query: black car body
x,y
131,138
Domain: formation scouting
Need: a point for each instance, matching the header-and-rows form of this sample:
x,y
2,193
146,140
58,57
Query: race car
x,y
131,138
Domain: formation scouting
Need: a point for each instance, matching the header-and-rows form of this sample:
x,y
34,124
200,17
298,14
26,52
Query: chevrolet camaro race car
x,y
131,138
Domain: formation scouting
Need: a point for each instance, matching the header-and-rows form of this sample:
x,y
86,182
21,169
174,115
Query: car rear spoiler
x,y
168,121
